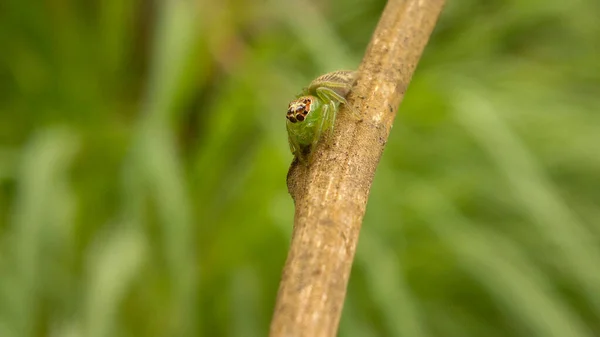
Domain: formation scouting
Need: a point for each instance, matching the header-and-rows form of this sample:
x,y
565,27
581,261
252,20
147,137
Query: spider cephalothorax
x,y
298,109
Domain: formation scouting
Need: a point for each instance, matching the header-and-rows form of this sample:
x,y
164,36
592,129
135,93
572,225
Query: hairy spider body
x,y
314,111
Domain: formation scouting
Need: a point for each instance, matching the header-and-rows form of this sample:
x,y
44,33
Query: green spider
x,y
314,111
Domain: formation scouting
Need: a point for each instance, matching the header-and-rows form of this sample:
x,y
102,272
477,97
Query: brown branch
x,y
331,195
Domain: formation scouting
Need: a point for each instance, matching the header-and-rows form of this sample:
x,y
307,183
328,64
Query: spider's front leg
x,y
319,130
330,117
295,146
328,95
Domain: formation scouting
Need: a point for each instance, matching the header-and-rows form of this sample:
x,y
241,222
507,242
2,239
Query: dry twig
x,y
331,195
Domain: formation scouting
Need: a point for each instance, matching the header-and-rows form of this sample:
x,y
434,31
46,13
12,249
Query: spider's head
x,y
300,108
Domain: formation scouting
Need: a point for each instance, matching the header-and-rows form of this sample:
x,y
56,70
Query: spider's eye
x,y
293,112
299,109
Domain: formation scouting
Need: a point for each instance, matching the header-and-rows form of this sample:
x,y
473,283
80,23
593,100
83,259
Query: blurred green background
x,y
143,158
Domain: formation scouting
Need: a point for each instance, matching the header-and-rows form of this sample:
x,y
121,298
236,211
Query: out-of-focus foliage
x,y
143,158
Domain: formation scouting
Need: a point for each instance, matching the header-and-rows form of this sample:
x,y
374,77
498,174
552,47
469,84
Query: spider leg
x,y
331,116
328,94
294,146
319,131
